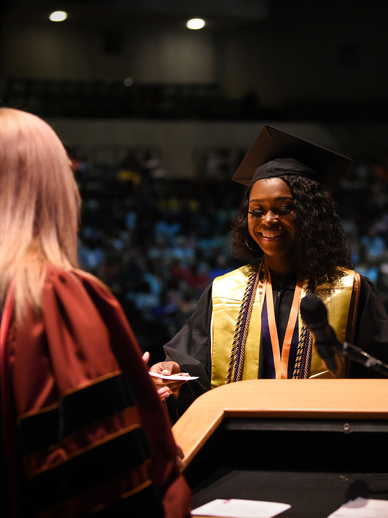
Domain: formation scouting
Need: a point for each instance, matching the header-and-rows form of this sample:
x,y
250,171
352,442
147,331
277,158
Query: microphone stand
x,y
358,355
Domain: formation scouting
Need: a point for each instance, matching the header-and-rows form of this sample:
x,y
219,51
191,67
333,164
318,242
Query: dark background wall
x,y
157,118
288,53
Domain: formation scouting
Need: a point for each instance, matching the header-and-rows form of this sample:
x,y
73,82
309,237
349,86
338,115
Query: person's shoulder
x,y
72,277
243,271
75,287
358,281
234,282
345,276
89,278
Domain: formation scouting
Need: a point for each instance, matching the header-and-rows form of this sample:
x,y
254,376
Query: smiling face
x,y
271,221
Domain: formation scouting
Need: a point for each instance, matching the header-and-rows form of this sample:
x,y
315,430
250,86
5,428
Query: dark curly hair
x,y
321,244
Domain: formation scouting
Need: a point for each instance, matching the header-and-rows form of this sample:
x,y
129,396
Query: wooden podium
x,y
314,444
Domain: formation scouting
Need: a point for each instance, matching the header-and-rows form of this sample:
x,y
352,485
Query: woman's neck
x,y
279,269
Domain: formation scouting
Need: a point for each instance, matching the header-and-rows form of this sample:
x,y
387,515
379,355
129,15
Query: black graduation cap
x,y
276,153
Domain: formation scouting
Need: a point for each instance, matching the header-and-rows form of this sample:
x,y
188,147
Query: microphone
x,y
314,313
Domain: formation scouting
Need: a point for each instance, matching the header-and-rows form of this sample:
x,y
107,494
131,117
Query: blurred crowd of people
x,y
158,242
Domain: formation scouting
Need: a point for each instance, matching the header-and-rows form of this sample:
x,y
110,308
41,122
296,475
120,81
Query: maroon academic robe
x,y
80,411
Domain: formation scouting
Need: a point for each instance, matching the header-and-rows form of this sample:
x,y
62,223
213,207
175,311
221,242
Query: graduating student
x,y
247,323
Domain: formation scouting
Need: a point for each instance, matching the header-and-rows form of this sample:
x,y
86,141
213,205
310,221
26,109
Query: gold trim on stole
x,y
227,294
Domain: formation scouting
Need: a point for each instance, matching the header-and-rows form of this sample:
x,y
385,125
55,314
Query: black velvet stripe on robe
x,y
91,436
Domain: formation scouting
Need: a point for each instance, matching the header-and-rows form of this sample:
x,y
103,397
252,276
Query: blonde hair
x,y
39,206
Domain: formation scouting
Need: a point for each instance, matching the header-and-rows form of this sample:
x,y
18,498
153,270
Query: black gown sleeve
x,y
190,348
372,329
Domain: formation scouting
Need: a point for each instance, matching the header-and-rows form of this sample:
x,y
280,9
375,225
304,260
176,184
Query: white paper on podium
x,y
362,508
235,508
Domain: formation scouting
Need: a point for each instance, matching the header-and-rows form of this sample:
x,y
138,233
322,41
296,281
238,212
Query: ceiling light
x,y
195,24
58,16
128,81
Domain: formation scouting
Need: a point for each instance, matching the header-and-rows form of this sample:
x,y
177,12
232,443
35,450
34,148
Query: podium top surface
x,y
319,398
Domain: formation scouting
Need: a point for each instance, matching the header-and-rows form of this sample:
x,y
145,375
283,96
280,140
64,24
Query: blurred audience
x,y
158,242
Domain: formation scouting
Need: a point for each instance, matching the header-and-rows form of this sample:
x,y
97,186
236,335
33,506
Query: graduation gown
x,y
84,429
191,347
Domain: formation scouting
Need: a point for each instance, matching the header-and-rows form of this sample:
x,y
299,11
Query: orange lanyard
x,y
281,361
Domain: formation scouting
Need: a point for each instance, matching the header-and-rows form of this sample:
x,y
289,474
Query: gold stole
x,y
227,293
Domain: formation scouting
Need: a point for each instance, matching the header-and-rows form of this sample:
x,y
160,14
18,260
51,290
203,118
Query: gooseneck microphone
x,y
314,313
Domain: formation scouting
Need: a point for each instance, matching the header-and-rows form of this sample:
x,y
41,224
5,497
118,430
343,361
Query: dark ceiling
x,y
216,12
